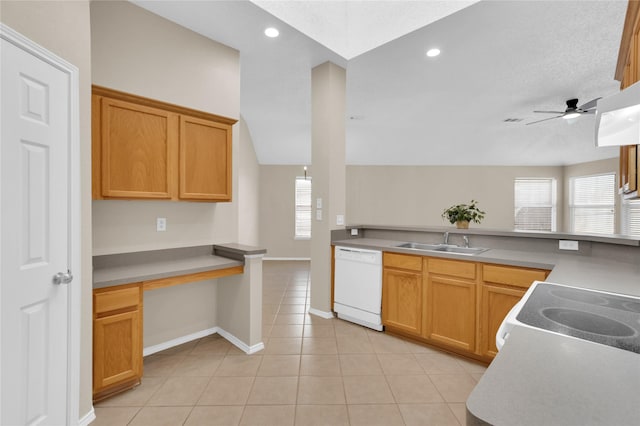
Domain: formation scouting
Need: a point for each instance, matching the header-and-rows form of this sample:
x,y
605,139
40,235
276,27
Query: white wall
x,y
136,51
63,28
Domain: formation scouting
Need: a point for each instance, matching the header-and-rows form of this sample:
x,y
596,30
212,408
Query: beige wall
x,y
138,52
248,189
417,195
587,169
277,212
63,27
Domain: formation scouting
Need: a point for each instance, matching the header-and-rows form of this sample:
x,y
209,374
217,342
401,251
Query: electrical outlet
x,y
568,245
354,232
161,224
340,219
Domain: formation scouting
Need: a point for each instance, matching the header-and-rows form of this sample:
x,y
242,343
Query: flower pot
x,y
462,224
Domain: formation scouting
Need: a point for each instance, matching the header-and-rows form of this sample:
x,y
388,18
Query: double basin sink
x,y
443,248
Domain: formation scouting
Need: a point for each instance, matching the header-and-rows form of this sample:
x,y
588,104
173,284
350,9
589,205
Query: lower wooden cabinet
x,y
450,303
502,287
117,339
402,293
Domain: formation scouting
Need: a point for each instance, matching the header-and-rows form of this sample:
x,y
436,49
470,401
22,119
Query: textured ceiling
x,y
500,60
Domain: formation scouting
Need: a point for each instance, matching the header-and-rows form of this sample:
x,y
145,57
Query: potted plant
x,y
462,214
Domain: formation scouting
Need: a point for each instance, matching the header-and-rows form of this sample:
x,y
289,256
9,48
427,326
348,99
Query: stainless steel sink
x,y
448,248
588,322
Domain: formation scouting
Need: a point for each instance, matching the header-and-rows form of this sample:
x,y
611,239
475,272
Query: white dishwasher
x,y
358,286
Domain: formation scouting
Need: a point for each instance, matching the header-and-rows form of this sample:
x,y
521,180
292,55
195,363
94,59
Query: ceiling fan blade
x,y
540,121
550,112
589,105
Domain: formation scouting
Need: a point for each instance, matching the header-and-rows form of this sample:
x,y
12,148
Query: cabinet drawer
x,y
403,261
519,277
454,268
111,300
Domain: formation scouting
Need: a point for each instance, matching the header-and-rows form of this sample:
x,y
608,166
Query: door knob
x,y
63,278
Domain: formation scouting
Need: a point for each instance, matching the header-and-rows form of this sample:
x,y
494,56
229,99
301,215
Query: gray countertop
x,y
570,269
124,268
541,378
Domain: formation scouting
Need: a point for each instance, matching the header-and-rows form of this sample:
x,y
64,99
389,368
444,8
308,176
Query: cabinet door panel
x,y
402,300
136,150
117,349
451,312
497,301
205,160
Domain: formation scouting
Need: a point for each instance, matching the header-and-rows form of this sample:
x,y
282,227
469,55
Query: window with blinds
x,y
592,204
631,218
535,204
303,208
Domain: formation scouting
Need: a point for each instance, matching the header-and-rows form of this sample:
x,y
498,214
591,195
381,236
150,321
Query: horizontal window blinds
x,y
535,204
303,208
593,204
631,218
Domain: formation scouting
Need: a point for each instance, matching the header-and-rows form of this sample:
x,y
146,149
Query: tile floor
x,y
313,371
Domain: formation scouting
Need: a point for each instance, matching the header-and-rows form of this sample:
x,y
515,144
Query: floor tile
x,y
427,414
319,345
317,320
453,387
273,390
283,346
198,365
320,365
437,363
477,376
292,309
177,391
227,391
319,330
239,365
270,308
459,409
161,416
294,300
183,349
355,344
289,319
136,397
322,415
384,343
471,366
215,416
211,346
375,415
320,390
367,390
287,330
399,364
345,328
360,365
161,365
268,415
114,416
413,389
279,365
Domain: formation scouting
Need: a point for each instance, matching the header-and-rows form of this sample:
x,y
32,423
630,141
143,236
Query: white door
x,y
34,226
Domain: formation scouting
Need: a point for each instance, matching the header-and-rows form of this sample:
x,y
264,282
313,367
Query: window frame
x,y
553,205
300,208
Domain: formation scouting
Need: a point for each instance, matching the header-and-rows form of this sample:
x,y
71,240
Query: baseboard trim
x,y
240,344
288,258
321,314
149,350
87,418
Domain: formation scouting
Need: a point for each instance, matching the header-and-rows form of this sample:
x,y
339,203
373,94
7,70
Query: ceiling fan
x,y
572,111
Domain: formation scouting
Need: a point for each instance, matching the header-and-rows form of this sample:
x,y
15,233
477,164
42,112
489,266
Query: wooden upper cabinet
x,y
147,149
205,160
137,144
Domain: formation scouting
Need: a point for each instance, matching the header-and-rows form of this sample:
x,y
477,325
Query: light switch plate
x,y
568,245
161,224
319,203
318,214
340,219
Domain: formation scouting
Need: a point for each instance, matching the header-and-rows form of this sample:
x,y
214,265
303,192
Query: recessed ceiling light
x,y
271,32
433,52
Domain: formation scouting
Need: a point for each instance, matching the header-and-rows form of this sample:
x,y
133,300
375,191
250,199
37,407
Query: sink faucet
x,y
466,240
446,238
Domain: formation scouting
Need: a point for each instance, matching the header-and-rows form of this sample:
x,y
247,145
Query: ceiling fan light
x,y
570,115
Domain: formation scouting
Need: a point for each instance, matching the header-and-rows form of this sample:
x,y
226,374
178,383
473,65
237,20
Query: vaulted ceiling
x,y
500,60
